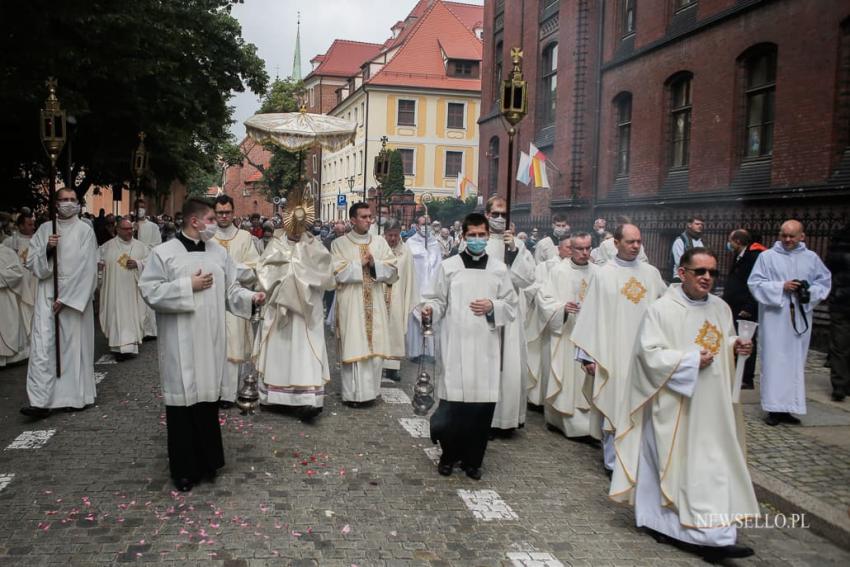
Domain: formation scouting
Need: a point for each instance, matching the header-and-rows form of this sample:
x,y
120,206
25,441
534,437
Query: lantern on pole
x,y
138,167
381,171
513,107
52,131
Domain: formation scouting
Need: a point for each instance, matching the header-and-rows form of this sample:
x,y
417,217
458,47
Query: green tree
x,y
451,209
167,68
395,177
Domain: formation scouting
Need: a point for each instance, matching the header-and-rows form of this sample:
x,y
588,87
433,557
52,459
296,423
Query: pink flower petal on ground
x,y
296,534
346,529
214,525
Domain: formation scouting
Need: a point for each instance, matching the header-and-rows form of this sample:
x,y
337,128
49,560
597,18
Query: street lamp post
x,y
53,133
381,172
138,167
514,107
351,185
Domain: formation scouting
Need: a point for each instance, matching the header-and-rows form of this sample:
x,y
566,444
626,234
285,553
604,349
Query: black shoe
x,y
473,472
789,419
210,476
308,413
224,404
715,554
608,472
838,396
772,419
534,407
553,429
445,469
34,412
183,484
747,386
659,537
392,375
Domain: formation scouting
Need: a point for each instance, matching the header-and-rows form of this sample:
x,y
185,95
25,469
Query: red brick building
x,y
243,181
738,110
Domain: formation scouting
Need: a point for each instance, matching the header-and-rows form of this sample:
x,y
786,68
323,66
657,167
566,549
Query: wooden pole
x,y
52,186
508,196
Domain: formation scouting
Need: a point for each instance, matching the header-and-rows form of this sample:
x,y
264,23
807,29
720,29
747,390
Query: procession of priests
x,y
582,328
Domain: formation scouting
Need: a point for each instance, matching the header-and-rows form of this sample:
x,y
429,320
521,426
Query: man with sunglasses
x,y
240,337
786,306
510,411
680,461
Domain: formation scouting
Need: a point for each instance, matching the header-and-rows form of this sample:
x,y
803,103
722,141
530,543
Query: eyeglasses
x,y
499,215
703,271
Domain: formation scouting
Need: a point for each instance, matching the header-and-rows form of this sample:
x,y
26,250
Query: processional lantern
x,y
53,130
514,102
382,162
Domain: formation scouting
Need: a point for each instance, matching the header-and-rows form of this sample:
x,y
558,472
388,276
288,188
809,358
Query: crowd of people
x,y
578,325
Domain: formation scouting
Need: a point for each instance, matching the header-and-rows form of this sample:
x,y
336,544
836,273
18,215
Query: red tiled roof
x,y
419,62
344,58
471,15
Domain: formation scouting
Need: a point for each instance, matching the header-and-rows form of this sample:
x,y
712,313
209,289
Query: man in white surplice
x,y
294,271
190,281
785,320
400,297
122,309
363,264
20,243
680,460
567,409
618,295
13,336
76,246
148,233
427,255
473,297
240,336
547,248
510,411
537,331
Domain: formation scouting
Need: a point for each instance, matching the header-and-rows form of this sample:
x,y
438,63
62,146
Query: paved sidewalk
x,y
805,468
358,487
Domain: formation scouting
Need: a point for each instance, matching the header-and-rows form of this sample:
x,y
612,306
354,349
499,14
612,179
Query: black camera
x,y
803,293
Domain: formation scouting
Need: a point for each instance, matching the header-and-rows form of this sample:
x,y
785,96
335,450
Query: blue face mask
x,y
476,245
729,247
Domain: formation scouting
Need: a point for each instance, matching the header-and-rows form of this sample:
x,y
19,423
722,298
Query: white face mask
x,y
141,213
498,224
208,232
559,231
67,209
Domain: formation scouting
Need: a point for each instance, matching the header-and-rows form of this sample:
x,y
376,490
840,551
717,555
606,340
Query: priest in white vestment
x,y
426,256
679,458
20,243
76,246
511,409
619,294
240,336
786,318
190,281
13,335
401,298
148,233
473,298
122,309
566,408
363,265
294,271
537,330
547,248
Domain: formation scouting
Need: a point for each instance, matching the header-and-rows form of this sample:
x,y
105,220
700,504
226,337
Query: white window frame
x,y
463,121
446,162
398,112
412,162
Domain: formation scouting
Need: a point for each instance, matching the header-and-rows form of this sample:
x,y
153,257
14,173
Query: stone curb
x,y
824,520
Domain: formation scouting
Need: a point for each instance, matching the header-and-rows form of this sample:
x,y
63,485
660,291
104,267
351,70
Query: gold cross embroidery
x,y
582,290
634,290
710,338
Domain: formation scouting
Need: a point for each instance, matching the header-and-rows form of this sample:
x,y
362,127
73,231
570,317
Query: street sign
x,y
341,201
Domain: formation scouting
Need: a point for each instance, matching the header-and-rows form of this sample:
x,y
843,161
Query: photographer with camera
x,y
788,281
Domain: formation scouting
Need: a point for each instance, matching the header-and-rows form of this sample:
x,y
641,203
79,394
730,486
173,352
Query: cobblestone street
x,y
357,487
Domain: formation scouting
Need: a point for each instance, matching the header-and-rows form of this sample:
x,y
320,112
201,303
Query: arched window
x,y
759,70
627,18
493,154
679,93
623,113
548,84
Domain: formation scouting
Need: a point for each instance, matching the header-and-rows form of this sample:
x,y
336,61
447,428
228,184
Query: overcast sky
x,y
270,25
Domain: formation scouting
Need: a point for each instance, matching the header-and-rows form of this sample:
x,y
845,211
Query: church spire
x,y
296,59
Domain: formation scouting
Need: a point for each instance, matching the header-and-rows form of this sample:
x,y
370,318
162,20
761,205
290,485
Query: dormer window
x,y
463,68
